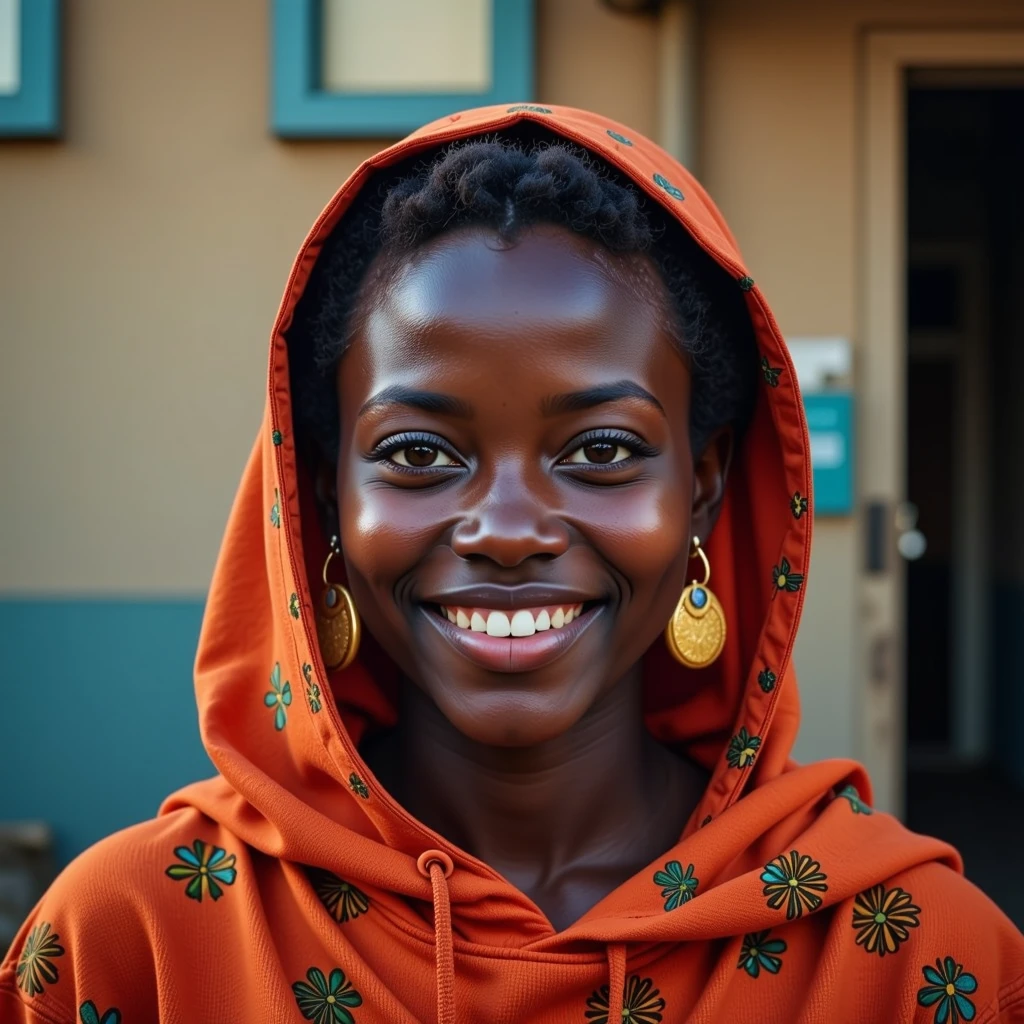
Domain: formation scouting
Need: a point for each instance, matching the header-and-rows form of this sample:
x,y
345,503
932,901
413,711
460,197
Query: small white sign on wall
x,y
10,47
406,46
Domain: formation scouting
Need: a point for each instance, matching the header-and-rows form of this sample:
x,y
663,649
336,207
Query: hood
x,y
284,733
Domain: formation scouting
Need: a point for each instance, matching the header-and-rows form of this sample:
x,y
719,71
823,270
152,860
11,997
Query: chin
x,y
517,718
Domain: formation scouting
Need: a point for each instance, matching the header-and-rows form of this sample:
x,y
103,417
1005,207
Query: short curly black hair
x,y
508,183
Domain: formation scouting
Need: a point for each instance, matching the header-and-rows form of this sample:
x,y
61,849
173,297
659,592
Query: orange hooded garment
x,y
292,887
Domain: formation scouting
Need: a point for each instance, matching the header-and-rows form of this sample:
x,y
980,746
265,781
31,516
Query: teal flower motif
x,y
36,969
793,879
312,689
90,1015
742,749
276,437
770,373
325,1000
745,283
358,787
662,182
677,888
785,579
279,697
275,509
856,804
947,990
293,605
204,865
766,679
620,138
758,951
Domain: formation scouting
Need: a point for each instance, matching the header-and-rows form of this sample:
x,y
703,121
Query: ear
x,y
710,472
325,485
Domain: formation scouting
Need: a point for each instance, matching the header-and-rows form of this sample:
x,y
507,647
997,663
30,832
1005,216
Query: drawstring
x,y
438,866
616,981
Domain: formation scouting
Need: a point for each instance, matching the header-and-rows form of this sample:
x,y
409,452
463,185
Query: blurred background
x,y
159,167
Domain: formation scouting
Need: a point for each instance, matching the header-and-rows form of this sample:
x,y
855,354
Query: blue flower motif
x,y
677,888
947,991
90,1015
204,865
758,951
856,804
662,182
619,138
279,697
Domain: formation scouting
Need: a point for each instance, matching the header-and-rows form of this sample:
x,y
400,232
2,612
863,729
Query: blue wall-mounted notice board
x,y
830,422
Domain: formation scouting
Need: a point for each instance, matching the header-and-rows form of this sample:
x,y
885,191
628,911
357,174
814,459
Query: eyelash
x,y
639,449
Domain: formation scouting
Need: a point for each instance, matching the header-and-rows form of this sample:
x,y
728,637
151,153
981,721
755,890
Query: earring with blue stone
x,y
696,632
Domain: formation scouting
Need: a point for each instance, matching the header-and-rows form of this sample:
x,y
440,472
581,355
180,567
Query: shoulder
x,y
93,944
944,942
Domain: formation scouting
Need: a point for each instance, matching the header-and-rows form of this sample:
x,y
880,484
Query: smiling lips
x,y
520,623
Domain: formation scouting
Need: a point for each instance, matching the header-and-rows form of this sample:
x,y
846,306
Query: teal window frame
x,y
300,109
34,110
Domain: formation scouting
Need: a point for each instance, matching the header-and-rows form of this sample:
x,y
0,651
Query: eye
x,y
599,453
420,456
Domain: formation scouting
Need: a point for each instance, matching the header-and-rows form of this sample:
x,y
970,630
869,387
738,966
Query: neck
x,y
603,799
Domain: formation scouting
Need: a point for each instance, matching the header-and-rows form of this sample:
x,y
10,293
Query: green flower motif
x,y
343,900
358,787
758,951
276,437
90,1015
676,887
279,697
746,283
856,804
793,879
662,182
947,990
275,509
766,679
619,138
529,108
204,865
293,605
36,969
324,1000
742,749
770,373
312,689
798,505
641,1003
785,579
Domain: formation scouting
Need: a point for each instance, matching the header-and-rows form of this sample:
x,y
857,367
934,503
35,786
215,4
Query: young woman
x,y
515,746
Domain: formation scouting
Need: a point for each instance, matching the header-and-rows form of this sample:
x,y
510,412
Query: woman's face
x,y
515,453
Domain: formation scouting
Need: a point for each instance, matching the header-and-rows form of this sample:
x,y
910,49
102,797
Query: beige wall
x,y
143,258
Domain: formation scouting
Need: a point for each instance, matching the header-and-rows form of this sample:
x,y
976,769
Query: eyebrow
x,y
575,401
427,401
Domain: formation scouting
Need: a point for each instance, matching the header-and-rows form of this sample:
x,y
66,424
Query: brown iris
x,y
420,455
600,452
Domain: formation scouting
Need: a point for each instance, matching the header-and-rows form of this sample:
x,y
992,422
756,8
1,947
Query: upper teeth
x,y
524,622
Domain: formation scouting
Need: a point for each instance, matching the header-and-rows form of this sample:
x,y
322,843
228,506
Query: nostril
x,y
439,857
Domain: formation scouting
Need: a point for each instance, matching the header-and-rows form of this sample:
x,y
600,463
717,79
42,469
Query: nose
x,y
510,525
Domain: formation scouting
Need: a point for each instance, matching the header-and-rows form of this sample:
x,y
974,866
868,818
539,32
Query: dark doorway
x,y
965,476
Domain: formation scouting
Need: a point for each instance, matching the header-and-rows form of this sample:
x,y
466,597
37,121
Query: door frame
x,y
886,57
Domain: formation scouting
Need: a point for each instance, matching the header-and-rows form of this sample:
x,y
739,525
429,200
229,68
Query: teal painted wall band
x,y
99,718
34,110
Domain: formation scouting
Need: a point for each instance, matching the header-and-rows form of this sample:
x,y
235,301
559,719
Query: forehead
x,y
549,309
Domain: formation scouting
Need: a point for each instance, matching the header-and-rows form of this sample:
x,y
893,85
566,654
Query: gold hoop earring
x,y
337,622
696,632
